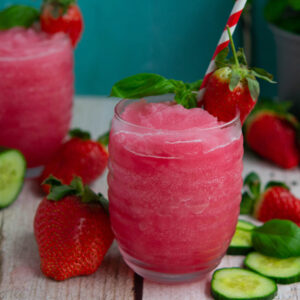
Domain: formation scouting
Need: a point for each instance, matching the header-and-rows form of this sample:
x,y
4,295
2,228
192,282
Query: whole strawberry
x,y
271,132
62,16
72,230
233,86
275,202
80,156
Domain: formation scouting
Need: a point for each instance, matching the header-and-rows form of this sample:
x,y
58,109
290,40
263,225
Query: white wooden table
x,y
20,276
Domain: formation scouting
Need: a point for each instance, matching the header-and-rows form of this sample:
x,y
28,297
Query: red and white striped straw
x,y
224,41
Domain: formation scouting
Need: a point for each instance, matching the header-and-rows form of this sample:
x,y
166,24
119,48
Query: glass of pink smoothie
x,y
36,92
175,180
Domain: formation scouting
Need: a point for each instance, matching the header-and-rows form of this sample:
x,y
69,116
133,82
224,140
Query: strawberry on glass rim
x,y
233,86
62,16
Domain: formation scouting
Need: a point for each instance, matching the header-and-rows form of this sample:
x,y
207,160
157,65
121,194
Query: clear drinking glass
x,y
36,92
174,196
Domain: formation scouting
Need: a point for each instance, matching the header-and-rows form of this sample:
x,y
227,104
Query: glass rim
x,y
51,49
118,116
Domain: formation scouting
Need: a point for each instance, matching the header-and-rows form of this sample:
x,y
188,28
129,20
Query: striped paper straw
x,y
224,41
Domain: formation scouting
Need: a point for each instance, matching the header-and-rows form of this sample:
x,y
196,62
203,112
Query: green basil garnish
x,y
18,15
277,238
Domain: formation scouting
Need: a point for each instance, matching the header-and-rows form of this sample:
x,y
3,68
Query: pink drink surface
x,y
36,92
174,188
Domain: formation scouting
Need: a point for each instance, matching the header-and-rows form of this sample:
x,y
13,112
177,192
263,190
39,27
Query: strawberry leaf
x,y
220,59
104,138
276,183
242,57
18,15
60,7
262,74
59,192
235,79
253,182
253,86
104,202
77,132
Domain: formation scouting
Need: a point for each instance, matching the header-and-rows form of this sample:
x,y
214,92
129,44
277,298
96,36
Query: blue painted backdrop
x,y
171,37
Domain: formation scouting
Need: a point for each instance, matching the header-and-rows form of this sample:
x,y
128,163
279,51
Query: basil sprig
x,y
148,84
277,238
18,15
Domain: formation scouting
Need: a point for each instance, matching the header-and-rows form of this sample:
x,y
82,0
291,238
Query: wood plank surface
x,y
20,276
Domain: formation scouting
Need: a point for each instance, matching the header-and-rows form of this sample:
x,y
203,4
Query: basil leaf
x,y
234,80
194,86
18,15
253,88
142,85
277,238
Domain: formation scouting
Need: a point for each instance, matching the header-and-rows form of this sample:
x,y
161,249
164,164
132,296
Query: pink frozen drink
x,y
175,180
36,92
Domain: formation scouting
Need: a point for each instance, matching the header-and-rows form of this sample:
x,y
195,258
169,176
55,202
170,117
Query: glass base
x,y
34,172
166,278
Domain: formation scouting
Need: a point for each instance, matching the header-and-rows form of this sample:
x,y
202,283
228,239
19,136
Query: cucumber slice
x,y
237,283
245,225
241,243
12,173
281,270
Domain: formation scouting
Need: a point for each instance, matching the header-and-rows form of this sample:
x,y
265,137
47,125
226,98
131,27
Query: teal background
x,y
170,37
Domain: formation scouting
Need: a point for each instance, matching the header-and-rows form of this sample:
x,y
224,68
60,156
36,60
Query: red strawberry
x,y
277,202
62,16
72,230
80,156
233,86
271,132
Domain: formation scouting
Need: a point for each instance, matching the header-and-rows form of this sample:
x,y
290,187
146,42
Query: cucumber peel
x,y
281,270
12,174
241,284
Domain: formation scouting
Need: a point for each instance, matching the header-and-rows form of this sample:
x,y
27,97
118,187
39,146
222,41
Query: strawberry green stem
x,y
233,47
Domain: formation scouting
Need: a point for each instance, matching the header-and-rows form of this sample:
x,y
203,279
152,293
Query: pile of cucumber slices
x,y
12,174
259,280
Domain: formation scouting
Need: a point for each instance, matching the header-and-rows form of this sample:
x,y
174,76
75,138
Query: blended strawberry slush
x,y
175,180
36,92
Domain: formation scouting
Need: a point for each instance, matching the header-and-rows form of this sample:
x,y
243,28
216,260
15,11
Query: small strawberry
x,y
62,16
271,132
80,156
233,86
72,230
275,202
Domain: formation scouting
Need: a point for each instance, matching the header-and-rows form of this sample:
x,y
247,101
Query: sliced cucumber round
x,y
241,243
12,174
281,270
237,283
245,225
